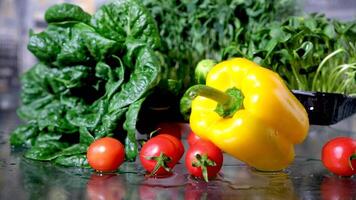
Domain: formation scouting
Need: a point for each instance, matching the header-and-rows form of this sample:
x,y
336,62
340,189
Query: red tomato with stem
x,y
178,143
159,155
106,154
339,156
192,138
170,128
204,160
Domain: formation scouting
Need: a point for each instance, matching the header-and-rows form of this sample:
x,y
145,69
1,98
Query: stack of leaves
x,y
93,75
310,52
192,30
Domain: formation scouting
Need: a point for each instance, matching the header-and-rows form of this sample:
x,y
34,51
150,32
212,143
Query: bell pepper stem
x,y
228,102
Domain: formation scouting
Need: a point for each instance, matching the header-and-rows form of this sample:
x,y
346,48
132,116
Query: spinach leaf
x,y
45,151
66,12
145,75
67,78
119,20
88,82
109,123
85,136
43,46
73,150
74,50
98,46
48,147
79,160
131,146
24,135
47,44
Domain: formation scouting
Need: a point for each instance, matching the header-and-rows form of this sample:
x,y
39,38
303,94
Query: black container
x,y
326,108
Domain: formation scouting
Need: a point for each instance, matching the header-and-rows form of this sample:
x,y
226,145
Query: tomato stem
x,y
153,133
352,157
203,162
162,161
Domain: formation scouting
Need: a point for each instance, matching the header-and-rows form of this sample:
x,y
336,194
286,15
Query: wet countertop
x,y
306,178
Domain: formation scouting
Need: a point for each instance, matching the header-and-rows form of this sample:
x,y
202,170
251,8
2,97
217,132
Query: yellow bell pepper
x,y
249,113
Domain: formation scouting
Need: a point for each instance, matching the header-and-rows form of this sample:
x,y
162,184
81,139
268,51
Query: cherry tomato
x,y
170,128
178,143
204,160
192,138
159,155
106,154
336,156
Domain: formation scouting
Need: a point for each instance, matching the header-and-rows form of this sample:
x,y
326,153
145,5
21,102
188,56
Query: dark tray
x,y
326,108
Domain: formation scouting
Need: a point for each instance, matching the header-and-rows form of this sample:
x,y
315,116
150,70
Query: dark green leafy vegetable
x,y
120,20
93,76
45,151
267,32
143,77
66,12
192,30
46,45
130,126
310,52
24,135
79,160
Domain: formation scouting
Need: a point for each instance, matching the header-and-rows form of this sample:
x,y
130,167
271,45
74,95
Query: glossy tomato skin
x,y
170,128
153,148
336,156
192,138
106,154
177,142
204,147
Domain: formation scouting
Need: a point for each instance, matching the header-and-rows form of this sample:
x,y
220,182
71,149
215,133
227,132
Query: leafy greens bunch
x,y
304,50
192,30
310,52
93,75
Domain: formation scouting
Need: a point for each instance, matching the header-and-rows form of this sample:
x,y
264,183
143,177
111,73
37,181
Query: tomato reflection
x,y
170,187
149,192
202,190
337,188
105,187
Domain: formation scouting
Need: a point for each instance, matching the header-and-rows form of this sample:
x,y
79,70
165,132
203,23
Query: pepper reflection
x,y
248,183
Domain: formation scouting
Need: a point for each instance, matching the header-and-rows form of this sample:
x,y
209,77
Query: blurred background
x,y
18,16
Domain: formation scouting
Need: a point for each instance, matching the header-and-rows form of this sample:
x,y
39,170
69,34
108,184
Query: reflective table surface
x,y
306,178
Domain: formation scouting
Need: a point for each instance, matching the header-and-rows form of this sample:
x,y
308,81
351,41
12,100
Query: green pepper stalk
x,y
228,102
